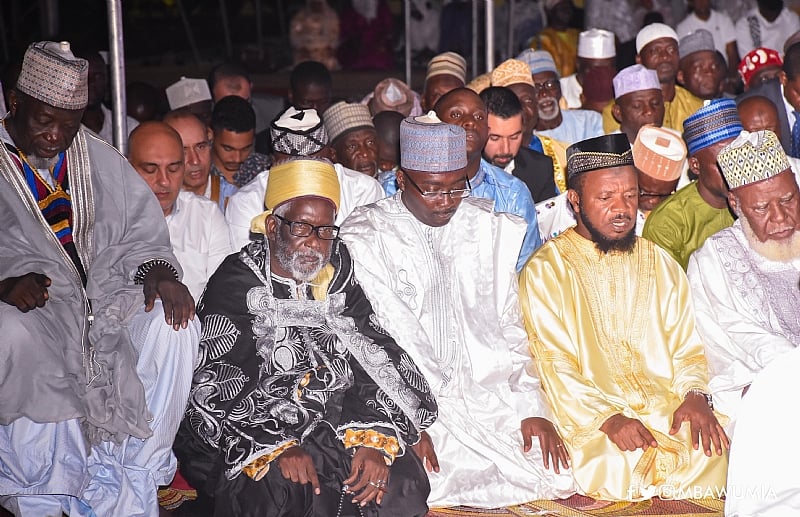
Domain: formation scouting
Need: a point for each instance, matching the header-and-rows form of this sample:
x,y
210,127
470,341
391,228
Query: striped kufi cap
x,y
343,117
752,157
298,132
717,120
448,63
538,61
511,71
429,145
52,74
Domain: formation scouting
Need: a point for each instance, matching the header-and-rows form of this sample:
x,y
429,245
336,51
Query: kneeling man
x,y
612,329
301,403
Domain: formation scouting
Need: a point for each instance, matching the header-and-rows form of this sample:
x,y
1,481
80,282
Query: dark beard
x,y
605,245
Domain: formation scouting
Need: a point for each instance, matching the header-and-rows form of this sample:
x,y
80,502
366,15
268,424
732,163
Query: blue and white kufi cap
x,y
717,120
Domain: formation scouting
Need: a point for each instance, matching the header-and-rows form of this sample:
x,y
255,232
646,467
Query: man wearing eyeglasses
x,y
568,126
301,403
197,178
439,265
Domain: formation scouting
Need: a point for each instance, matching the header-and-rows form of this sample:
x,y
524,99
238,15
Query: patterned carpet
x,y
580,506
575,506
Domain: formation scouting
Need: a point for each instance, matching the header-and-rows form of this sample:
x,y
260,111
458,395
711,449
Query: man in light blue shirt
x,y
463,107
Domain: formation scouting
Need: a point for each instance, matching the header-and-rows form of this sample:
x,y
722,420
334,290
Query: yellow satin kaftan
x,y
615,333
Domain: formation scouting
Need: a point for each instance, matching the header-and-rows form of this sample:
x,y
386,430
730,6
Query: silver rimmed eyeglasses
x,y
459,193
299,229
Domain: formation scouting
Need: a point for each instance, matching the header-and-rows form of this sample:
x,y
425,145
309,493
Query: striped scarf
x,y
54,202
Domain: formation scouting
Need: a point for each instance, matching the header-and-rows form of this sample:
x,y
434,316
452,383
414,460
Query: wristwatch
x,y
707,396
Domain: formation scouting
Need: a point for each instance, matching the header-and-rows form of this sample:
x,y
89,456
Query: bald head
x,y
758,113
156,152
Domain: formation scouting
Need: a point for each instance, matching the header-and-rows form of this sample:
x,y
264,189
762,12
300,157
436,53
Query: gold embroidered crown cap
x,y
602,152
752,157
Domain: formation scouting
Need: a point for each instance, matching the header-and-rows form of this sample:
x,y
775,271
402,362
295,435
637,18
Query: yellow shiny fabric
x,y
562,45
557,151
611,334
675,111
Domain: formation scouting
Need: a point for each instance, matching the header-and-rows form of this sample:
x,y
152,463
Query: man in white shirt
x,y
197,229
297,133
767,25
197,178
718,24
438,266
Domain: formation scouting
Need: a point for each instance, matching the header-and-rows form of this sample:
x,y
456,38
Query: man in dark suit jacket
x,y
773,91
505,149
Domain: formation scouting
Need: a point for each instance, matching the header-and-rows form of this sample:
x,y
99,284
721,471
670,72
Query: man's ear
x,y
289,96
574,200
694,165
271,225
12,102
333,157
400,178
638,59
733,202
616,112
783,78
679,77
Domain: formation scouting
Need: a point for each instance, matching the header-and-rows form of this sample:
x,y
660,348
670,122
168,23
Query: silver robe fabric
x,y
74,371
449,297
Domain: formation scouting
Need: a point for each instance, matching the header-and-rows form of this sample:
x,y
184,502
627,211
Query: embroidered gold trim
x,y
259,467
387,445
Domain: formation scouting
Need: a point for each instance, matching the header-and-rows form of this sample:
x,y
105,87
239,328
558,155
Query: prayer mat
x,y
581,506
576,506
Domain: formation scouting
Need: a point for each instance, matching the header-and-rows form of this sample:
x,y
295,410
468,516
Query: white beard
x,y
42,163
784,251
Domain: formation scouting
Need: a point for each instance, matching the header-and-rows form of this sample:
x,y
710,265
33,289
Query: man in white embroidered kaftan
x,y
439,267
745,278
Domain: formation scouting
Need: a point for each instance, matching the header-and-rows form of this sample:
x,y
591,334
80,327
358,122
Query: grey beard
x,y
42,163
289,262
